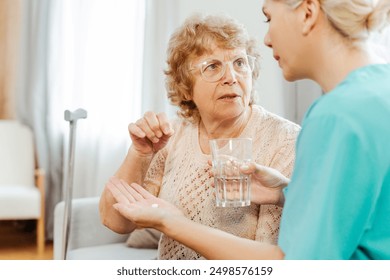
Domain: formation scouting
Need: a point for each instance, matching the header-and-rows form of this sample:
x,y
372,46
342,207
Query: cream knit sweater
x,y
182,171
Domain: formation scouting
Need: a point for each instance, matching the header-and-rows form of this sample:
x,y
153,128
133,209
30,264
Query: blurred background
x,y
108,57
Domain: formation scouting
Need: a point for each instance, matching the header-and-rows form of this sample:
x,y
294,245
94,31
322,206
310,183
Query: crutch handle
x,y
75,115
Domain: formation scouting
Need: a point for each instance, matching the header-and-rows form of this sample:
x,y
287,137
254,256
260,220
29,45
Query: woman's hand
x,y
139,206
267,184
150,133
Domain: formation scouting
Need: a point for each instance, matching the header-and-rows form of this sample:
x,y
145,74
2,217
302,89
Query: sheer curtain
x,y
80,54
96,53
162,17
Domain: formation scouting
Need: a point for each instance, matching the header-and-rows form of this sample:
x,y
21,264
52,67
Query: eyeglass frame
x,y
250,61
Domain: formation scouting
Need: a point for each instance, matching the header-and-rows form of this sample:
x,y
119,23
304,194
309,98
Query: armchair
x,y
22,192
89,239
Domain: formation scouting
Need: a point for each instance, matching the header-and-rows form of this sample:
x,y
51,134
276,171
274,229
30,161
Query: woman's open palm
x,y
139,206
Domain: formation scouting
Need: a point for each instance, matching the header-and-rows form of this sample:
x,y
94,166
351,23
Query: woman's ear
x,y
311,10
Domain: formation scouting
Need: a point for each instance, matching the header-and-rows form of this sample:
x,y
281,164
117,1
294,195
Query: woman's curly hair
x,y
194,38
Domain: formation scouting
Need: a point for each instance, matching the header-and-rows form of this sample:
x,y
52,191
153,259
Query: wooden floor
x,y
18,242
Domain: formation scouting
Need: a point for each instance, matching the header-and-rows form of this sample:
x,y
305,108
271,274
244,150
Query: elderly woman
x,y
212,66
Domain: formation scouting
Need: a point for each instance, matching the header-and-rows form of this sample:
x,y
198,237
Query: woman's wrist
x,y
171,225
134,167
135,154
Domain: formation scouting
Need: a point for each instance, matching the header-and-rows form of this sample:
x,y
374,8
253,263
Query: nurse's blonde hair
x,y
353,19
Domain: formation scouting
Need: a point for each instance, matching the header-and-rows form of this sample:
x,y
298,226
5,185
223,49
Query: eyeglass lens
x,y
213,69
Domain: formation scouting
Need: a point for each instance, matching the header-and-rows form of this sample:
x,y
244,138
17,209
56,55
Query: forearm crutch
x,y
72,118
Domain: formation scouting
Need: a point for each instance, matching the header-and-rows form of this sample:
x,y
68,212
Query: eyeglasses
x,y
213,69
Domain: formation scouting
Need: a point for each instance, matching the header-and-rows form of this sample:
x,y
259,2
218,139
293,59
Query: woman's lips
x,y
229,96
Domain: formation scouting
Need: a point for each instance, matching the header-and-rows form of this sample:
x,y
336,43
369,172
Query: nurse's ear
x,y
311,10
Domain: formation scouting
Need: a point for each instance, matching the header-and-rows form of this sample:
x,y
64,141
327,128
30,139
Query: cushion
x,y
19,202
146,238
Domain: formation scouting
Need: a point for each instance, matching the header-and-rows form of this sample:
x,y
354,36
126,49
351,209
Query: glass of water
x,y
231,186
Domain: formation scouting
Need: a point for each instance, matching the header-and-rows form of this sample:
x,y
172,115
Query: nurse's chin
x,y
291,77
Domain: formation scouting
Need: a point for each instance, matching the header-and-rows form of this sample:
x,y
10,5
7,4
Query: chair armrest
x,y
39,177
85,229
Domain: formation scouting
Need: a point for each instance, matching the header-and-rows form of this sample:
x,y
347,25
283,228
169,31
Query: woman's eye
x,y
212,66
240,62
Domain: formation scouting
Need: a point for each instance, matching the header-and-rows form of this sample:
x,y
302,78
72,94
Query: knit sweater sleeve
x,y
154,175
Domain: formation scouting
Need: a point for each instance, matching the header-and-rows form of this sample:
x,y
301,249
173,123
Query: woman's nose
x,y
230,76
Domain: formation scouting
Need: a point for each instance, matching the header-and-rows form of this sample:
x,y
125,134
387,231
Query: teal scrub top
x,y
338,201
